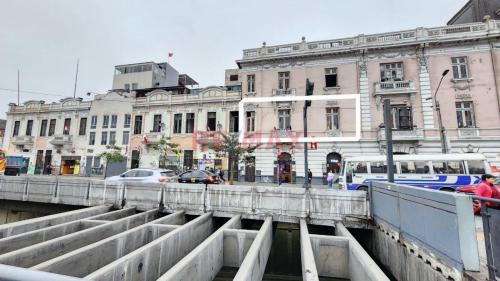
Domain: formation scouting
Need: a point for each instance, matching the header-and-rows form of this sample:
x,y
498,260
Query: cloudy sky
x,y
44,38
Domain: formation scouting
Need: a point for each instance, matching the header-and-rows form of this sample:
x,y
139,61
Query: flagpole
x,y
18,87
76,77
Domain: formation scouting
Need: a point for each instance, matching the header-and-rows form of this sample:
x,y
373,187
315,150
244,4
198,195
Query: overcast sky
x,y
44,38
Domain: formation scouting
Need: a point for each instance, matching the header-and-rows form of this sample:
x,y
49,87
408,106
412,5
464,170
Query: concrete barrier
x,y
283,204
73,191
13,188
143,196
225,200
328,204
184,196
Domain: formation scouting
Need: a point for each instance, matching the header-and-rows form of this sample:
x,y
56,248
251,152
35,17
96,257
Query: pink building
x,y
403,66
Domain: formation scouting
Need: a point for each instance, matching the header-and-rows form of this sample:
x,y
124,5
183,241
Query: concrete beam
x,y
37,223
12,273
254,264
118,214
309,271
88,259
152,260
206,260
236,244
331,255
359,258
38,253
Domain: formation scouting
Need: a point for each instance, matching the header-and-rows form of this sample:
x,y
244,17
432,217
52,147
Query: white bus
x,y
437,171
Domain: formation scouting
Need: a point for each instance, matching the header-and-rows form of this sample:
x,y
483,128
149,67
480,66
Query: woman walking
x,y
329,178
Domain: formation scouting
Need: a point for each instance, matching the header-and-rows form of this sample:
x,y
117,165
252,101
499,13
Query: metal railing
x,y
491,219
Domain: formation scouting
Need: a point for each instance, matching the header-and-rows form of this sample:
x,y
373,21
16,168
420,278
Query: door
x,y
250,170
88,166
188,159
47,163
39,162
134,163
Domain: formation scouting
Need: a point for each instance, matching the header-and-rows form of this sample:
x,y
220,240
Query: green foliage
x,y
113,154
165,147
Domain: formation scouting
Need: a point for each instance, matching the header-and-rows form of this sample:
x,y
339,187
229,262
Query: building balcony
x,y
402,135
209,137
395,88
153,137
466,133
23,140
283,92
62,140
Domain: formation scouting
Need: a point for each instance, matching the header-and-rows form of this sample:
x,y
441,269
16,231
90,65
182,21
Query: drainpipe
x,y
494,75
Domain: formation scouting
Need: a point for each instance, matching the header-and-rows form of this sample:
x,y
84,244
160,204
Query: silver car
x,y
146,175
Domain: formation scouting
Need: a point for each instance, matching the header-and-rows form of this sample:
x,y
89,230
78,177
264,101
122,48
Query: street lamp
x,y
442,136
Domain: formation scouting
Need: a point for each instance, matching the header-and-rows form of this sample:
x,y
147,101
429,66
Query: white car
x,y
146,175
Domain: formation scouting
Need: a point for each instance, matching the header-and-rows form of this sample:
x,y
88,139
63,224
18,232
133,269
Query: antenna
x,y
76,78
18,87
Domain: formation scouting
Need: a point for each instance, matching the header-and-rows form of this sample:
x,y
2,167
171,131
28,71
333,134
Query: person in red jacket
x,y
487,189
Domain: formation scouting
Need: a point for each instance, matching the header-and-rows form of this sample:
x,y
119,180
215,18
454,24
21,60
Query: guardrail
x,y
491,228
436,226
285,204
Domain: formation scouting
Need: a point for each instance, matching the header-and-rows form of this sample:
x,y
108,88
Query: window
x,y
378,167
331,77
104,138
233,77
460,69
126,137
476,167
283,80
251,83
126,121
126,87
112,137
390,72
138,125
178,123
52,127
134,86
233,121
189,123
105,121
83,127
211,121
465,114
15,132
359,168
29,127
284,119
114,120
92,138
332,118
401,117
157,123
450,167
43,128
414,167
250,121
93,122
67,126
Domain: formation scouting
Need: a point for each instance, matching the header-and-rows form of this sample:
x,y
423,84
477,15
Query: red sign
x,y
314,145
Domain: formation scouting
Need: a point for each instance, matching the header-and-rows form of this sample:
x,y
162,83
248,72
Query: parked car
x,y
146,175
471,188
205,177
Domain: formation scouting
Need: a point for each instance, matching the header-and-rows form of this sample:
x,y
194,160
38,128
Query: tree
x,y
164,147
113,154
230,147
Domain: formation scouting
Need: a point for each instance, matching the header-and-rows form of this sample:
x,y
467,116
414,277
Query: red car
x,y
471,189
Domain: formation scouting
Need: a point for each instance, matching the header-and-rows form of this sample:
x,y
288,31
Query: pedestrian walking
x,y
221,175
329,178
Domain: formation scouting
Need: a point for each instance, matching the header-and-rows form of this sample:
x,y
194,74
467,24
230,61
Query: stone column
x,y
364,93
425,90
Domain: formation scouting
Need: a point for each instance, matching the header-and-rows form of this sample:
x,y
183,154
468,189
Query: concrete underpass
x,y
86,229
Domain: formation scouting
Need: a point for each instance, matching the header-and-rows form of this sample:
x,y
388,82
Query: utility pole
x,y
388,139
76,77
307,103
442,135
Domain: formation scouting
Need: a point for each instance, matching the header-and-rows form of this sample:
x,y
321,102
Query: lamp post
x,y
444,147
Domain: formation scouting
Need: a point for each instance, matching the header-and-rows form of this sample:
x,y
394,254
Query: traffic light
x,y
309,91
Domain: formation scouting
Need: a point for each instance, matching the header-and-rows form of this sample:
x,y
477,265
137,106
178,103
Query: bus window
x,y
450,167
414,167
360,168
476,167
378,167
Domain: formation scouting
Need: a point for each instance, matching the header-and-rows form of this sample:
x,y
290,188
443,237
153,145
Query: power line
x,y
33,92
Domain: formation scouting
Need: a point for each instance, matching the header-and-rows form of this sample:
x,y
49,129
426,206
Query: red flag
x,y
170,55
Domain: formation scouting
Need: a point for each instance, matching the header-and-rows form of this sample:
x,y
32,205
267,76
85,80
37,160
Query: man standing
x,y
487,189
309,176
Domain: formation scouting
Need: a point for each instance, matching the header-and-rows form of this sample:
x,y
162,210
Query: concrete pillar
x,y
37,223
207,258
309,271
254,264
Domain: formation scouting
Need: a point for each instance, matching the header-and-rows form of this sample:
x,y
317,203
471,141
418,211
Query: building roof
x,y
475,11
186,80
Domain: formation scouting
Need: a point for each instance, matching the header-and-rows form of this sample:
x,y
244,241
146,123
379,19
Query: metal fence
x,y
491,228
